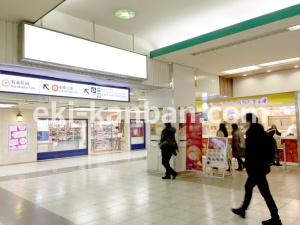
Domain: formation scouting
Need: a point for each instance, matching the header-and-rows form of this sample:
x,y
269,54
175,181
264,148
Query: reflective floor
x,y
116,189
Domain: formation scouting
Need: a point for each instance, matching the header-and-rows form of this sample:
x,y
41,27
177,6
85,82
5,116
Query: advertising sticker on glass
x,y
17,137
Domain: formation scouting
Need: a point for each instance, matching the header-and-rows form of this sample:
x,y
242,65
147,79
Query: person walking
x,y
257,168
272,131
168,147
238,146
222,132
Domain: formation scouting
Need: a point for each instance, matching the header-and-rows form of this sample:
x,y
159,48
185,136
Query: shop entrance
x,y
106,136
61,138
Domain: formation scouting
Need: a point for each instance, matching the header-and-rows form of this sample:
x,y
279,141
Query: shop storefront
x,y
275,109
61,138
107,136
29,134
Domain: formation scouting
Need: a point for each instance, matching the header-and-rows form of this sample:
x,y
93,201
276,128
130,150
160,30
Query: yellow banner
x,y
255,101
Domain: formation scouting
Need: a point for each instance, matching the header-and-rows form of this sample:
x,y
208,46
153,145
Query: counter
x,y
290,147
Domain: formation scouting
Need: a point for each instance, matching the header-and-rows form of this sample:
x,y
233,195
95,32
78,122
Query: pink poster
x,y
137,129
18,137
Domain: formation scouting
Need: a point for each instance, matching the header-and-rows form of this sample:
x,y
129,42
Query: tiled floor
x,y
93,191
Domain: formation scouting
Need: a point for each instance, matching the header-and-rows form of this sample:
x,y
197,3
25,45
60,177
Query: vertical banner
x,y
194,142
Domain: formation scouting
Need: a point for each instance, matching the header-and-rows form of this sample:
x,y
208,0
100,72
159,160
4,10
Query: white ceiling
x,y
268,49
170,21
28,10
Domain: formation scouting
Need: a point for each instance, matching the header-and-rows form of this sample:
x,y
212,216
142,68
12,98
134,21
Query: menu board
x,y
17,137
216,152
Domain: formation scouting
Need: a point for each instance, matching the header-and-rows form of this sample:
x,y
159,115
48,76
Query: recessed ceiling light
x,y
296,66
297,27
269,71
245,75
141,99
125,14
132,94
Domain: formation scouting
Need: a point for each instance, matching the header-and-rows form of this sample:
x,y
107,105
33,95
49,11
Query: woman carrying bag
x,y
238,146
168,148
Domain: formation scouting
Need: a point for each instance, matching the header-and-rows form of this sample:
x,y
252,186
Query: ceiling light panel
x,y
240,70
297,27
280,62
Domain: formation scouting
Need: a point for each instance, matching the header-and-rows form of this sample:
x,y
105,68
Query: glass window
x,y
61,135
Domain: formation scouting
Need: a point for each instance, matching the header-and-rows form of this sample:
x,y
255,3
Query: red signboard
x,y
194,142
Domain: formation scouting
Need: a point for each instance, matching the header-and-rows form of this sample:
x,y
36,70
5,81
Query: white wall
x,y
183,84
9,116
277,82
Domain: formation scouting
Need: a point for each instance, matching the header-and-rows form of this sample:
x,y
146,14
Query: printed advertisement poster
x,y
137,132
156,129
216,152
194,142
18,137
182,131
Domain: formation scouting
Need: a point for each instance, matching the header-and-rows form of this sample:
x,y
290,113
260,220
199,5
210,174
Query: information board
x,y
216,152
17,137
37,86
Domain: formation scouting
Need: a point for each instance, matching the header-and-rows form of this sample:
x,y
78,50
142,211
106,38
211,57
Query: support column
x,y
182,94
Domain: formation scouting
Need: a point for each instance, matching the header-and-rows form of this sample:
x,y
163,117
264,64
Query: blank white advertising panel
x,y
43,45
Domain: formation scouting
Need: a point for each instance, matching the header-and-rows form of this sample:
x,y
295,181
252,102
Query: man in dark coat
x,y
257,168
168,134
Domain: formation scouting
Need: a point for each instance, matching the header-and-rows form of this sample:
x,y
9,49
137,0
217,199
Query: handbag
x,y
167,143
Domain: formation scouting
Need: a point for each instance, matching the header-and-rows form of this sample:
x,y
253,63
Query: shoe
x,y
272,222
278,164
228,170
239,212
175,175
272,164
166,178
239,169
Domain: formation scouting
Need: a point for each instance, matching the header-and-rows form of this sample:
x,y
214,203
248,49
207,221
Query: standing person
x,y
238,146
222,132
257,168
168,148
272,131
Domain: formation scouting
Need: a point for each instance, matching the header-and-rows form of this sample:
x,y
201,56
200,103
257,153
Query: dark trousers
x,y
166,156
277,155
263,186
240,162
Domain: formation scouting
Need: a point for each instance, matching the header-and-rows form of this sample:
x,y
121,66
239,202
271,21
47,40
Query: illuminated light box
x,y
39,45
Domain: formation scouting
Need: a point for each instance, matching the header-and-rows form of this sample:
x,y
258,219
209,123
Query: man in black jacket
x,y
257,168
168,134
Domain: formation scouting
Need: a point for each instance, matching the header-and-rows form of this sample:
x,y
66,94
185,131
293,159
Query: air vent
x,y
242,41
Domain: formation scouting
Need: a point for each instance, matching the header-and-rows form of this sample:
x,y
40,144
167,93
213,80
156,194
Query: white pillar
x,y
182,94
